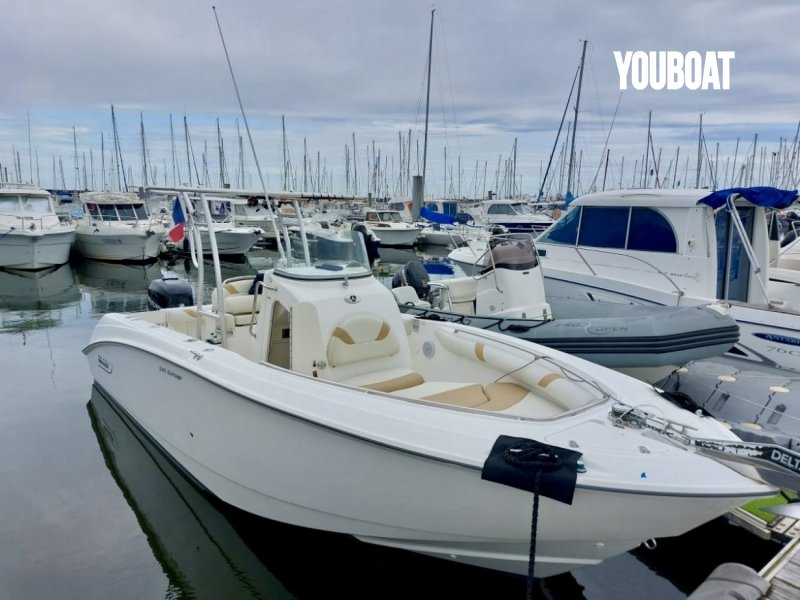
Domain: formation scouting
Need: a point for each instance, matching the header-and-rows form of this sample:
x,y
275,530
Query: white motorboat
x,y
116,227
516,216
680,248
253,212
390,227
314,401
32,236
231,239
507,294
440,224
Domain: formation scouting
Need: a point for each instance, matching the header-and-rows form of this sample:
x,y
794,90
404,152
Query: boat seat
x,y
237,300
547,382
462,293
406,295
185,321
363,350
469,395
389,380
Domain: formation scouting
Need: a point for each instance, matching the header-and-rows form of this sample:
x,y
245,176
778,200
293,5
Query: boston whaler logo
x,y
672,70
104,364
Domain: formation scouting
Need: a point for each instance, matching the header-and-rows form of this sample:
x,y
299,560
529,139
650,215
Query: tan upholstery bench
x,y
236,301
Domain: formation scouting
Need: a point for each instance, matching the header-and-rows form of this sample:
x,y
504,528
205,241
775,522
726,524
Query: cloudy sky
x,y
339,71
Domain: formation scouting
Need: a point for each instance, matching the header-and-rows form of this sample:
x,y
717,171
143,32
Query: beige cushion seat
x,y
388,380
236,301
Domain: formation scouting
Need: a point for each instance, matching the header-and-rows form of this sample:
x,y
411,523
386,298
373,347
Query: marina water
x,y
91,509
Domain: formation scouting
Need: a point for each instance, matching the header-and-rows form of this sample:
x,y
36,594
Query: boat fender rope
x,y
535,456
536,467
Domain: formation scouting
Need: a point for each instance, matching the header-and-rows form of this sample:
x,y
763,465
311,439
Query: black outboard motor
x,y
414,275
169,292
370,242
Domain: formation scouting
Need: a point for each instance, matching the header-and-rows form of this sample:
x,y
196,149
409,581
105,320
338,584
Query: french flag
x,y
178,222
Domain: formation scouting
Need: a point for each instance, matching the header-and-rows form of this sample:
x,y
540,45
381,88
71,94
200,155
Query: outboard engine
x,y
169,292
370,242
413,274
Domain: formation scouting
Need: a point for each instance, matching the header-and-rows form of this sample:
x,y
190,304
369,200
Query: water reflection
x,y
117,287
28,290
198,549
121,287
32,299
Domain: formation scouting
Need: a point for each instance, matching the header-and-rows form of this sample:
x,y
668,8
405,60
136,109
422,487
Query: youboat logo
x,y
673,70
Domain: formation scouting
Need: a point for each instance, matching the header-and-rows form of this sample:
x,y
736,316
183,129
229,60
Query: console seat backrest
x,y
363,350
237,300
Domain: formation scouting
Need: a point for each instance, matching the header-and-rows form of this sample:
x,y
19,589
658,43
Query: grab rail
x,y
577,250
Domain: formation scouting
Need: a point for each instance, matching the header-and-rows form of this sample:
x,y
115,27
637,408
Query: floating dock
x,y
783,573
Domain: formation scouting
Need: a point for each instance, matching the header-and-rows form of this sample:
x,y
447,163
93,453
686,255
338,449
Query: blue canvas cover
x,y
436,217
767,197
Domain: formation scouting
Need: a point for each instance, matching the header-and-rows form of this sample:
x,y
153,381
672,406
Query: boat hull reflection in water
x,y
199,550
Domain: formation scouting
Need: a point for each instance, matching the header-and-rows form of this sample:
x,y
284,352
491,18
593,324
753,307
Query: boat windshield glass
x,y
37,204
131,212
9,204
332,255
518,208
108,212
511,251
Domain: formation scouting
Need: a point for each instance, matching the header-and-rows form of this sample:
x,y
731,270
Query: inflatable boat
x,y
507,295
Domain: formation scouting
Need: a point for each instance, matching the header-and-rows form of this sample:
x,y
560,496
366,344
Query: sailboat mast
x,y
285,162
186,140
570,172
144,150
427,105
699,152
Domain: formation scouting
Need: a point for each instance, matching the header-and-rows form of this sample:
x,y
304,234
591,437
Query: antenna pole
x,y
250,138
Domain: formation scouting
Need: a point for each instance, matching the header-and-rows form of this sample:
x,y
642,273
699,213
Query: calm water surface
x,y
89,509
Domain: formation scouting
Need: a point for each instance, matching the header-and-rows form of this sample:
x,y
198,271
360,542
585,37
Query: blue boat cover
x,y
436,217
767,197
438,268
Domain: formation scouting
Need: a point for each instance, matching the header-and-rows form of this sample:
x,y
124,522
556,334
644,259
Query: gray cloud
x,y
502,71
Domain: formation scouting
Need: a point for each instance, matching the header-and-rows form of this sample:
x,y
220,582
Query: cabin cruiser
x,y
304,395
679,248
507,294
253,212
516,216
116,226
32,236
230,238
390,227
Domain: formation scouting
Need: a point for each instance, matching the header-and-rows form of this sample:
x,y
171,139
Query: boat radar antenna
x,y
283,253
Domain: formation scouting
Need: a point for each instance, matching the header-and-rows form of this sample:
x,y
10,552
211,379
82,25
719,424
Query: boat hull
x,y
229,242
128,245
272,449
395,238
768,336
34,250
